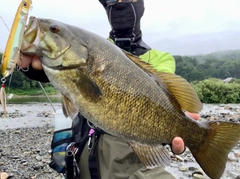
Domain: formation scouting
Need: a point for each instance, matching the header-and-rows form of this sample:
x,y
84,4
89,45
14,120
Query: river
x,y
34,99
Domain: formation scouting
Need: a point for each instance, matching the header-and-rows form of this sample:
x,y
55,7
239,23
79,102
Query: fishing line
x,y
5,24
46,95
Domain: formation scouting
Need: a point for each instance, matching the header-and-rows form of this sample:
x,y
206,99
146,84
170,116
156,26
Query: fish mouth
x,y
60,67
30,40
36,42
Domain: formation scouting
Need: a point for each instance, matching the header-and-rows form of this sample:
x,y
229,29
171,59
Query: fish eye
x,y
25,4
54,28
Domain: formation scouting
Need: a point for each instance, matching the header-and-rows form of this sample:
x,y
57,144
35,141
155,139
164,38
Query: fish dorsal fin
x,y
152,156
68,108
176,85
182,91
143,65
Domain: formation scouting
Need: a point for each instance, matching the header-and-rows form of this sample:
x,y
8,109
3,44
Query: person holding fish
x,y
115,158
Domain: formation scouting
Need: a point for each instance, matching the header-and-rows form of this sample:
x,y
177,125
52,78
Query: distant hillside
x,y
219,55
221,64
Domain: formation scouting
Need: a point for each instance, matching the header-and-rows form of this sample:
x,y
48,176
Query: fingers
x,y
37,63
26,60
178,146
194,116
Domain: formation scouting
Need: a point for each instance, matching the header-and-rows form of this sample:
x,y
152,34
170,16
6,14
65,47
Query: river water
x,y
33,99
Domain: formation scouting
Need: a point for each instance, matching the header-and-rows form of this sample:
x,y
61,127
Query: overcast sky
x,y
181,27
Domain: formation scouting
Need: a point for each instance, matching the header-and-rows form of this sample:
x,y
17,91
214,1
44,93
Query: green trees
x,y
190,69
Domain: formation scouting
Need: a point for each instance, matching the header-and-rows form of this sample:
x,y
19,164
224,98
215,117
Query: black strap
x,y
93,165
93,155
81,138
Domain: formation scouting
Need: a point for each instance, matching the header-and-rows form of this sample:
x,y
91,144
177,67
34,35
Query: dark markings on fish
x,y
88,88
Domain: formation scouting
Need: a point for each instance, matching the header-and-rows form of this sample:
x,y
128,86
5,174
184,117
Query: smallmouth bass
x,y
126,97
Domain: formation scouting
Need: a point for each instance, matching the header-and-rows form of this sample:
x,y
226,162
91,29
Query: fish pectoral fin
x,y
68,108
152,156
182,91
88,88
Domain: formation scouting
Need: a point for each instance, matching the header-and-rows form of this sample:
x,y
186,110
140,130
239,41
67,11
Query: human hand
x,y
178,146
194,116
31,66
32,60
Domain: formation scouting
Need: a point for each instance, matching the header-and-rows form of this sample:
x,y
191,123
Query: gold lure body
x,y
12,50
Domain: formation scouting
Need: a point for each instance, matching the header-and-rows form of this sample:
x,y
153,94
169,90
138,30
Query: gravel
x,y
26,136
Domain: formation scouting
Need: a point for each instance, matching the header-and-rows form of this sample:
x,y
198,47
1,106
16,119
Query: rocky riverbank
x,y
27,132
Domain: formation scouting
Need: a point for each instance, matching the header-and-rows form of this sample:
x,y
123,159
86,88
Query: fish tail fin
x,y
213,154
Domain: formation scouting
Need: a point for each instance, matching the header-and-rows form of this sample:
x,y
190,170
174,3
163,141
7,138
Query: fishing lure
x,y
12,51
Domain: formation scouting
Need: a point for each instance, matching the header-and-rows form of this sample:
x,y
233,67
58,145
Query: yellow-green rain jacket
x,y
161,61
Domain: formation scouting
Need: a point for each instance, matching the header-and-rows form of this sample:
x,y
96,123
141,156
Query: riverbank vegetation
x,y
218,91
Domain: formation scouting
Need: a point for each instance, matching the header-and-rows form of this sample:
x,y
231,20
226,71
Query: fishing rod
x,y
38,81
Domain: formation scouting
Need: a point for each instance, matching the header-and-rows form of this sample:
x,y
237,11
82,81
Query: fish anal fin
x,y
68,108
213,153
152,156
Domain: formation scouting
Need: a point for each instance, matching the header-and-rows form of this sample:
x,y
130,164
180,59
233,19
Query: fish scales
x,y
124,97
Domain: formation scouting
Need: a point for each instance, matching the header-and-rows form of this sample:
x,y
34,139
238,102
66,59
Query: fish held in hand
x,y
12,50
126,97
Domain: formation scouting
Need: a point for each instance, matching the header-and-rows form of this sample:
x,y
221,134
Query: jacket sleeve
x,y
38,75
161,61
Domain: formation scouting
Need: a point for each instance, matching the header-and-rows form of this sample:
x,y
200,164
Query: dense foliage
x,y
190,69
217,91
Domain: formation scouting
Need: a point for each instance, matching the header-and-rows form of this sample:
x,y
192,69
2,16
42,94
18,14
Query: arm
x,y
161,61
